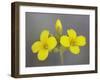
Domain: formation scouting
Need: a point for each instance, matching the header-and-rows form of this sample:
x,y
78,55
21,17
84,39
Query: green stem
x,y
62,58
58,35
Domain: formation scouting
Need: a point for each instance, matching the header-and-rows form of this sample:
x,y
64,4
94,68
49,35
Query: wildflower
x,y
72,41
44,46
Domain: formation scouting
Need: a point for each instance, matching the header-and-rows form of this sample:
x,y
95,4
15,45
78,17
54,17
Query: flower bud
x,y
58,26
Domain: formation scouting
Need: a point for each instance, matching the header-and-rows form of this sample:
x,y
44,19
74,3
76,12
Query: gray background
x,y
37,22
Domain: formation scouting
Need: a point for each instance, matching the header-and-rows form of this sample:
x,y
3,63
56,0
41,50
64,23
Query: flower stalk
x,y
62,58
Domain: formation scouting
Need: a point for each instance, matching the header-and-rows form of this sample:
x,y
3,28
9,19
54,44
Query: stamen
x,y
72,42
46,46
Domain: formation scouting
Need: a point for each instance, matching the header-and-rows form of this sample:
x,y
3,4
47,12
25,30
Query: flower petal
x,y
75,49
36,46
58,25
72,33
43,54
64,40
81,41
44,35
51,43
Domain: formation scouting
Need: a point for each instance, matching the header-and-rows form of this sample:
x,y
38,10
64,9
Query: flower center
x,y
45,46
72,42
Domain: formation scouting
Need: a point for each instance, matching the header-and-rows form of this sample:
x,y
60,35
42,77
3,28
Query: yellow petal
x,y
36,46
75,49
58,26
43,54
80,41
51,43
64,40
44,35
71,33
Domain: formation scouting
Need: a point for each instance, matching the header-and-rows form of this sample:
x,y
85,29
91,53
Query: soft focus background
x,y
5,40
37,22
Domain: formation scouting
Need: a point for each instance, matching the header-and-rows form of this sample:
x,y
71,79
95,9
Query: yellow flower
x,y
46,44
72,41
58,26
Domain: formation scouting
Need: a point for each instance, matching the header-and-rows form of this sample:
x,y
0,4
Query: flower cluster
x,y
58,42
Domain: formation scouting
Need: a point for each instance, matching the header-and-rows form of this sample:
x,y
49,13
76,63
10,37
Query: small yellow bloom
x,y
46,44
58,26
72,41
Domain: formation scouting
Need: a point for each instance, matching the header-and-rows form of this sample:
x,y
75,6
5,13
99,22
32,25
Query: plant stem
x,y
61,56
